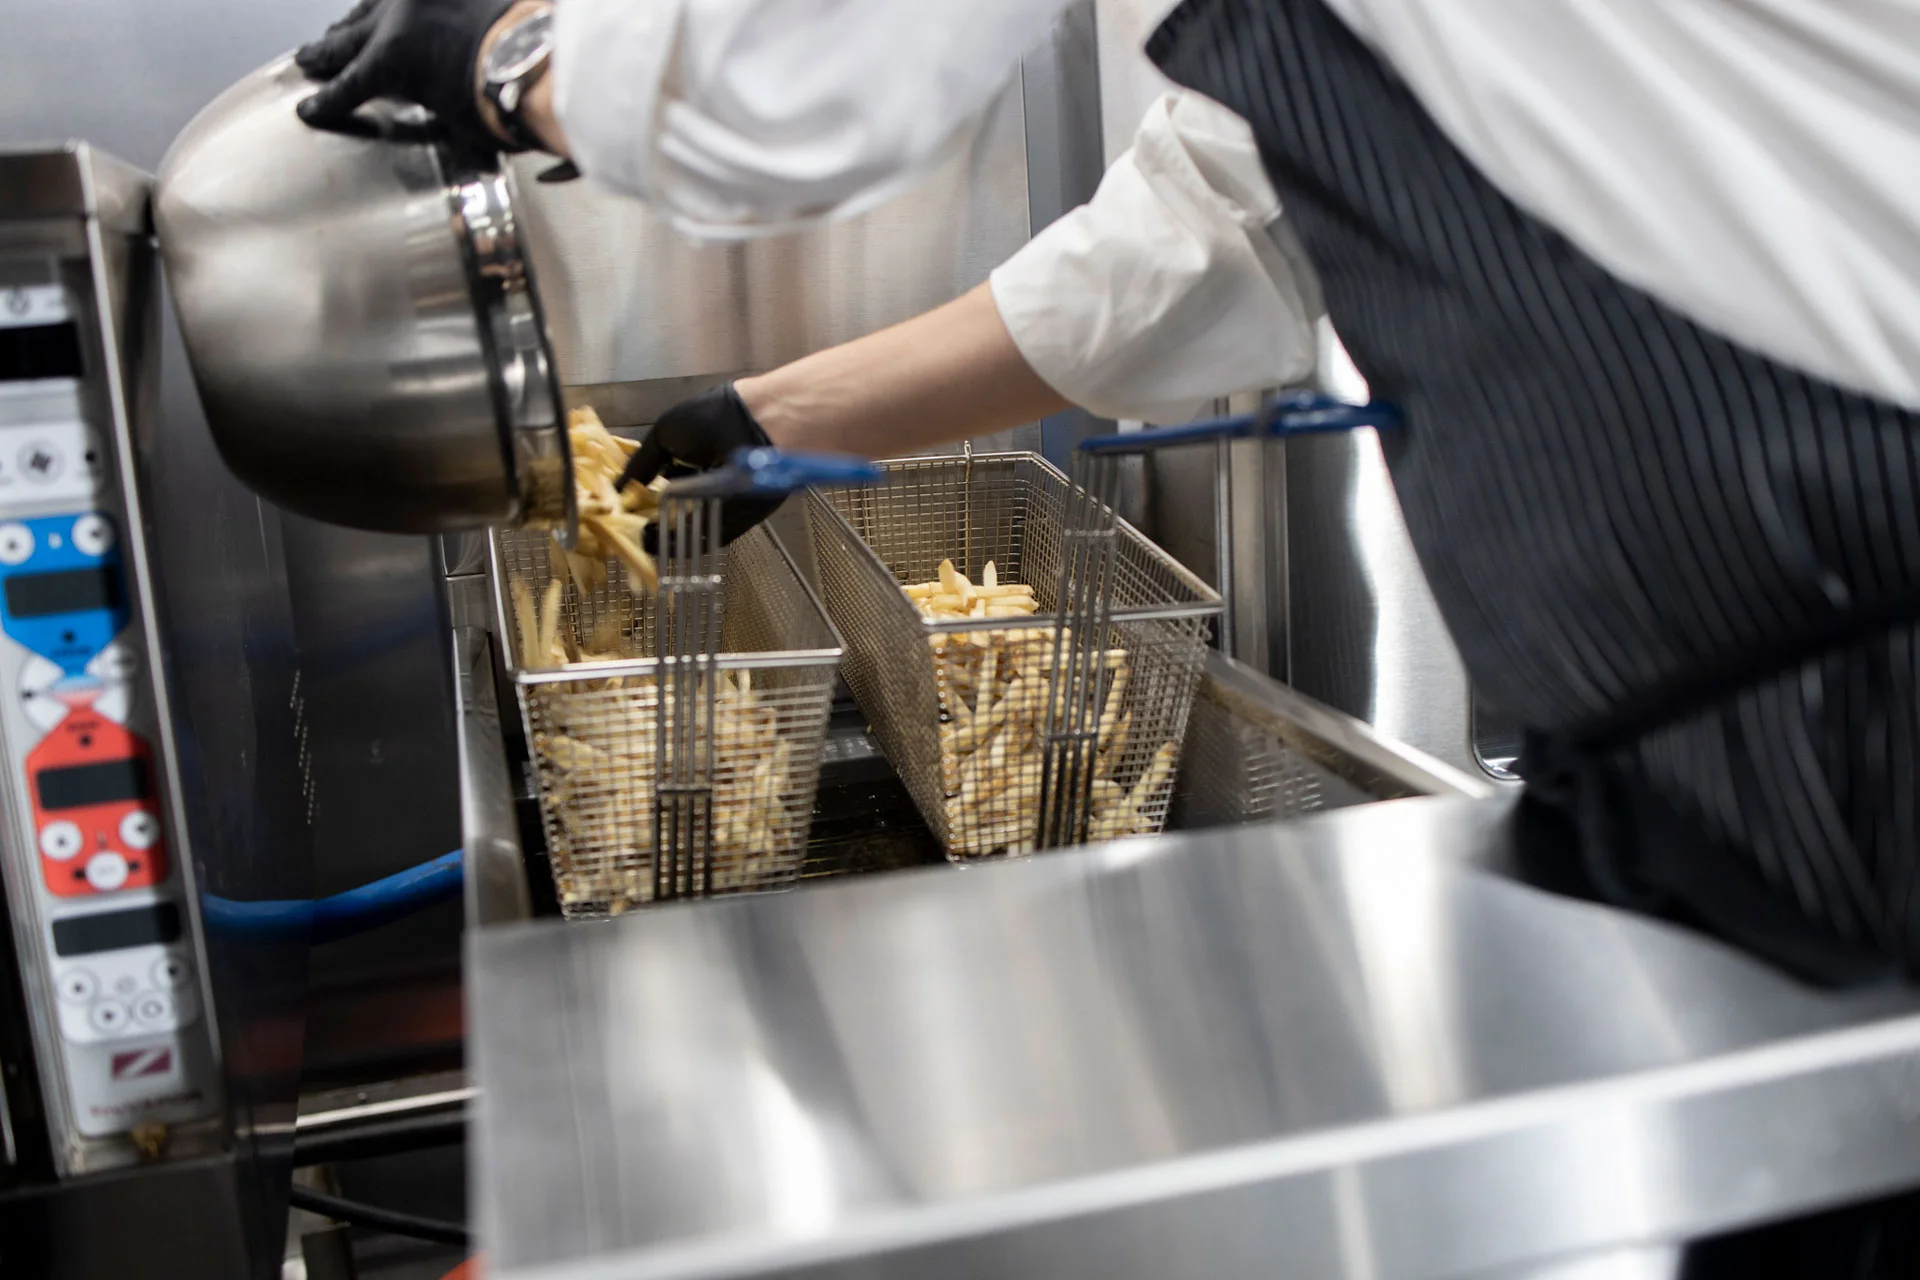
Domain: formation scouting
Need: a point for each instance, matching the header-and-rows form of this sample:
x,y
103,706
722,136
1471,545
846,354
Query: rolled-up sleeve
x,y
744,117
1166,290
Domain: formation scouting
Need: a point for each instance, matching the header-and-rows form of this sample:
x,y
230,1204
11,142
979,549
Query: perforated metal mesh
x,y
594,731
1247,760
1236,767
961,709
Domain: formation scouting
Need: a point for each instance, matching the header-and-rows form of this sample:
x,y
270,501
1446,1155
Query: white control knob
x,y
16,543
154,1009
93,535
78,986
139,829
106,871
171,972
61,840
108,1016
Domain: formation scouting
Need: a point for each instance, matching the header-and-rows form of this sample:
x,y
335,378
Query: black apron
x,y
1692,573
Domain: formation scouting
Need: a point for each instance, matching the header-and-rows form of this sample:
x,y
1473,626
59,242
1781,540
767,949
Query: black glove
x,y
421,51
698,435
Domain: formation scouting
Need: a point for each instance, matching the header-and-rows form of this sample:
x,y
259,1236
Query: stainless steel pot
x,y
361,319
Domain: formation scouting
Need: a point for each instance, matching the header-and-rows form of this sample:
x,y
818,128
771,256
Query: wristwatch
x,y
518,59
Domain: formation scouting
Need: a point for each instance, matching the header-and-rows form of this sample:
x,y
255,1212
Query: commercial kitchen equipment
x,y
306,669
1015,511
311,701
1343,1047
678,755
135,1046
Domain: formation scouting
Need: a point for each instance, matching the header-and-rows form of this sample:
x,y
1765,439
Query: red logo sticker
x,y
135,1063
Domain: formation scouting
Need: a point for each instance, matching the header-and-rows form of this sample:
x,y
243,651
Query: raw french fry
x,y
611,520
1116,748
1159,773
642,576
954,582
526,621
1110,718
548,631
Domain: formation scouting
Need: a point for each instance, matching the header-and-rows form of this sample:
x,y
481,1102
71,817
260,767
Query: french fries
x,y
595,744
610,520
994,687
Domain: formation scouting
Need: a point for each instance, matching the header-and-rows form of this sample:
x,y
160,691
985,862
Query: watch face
x,y
523,45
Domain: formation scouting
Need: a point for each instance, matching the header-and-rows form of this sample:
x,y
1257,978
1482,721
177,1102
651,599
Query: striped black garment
x,y
1691,572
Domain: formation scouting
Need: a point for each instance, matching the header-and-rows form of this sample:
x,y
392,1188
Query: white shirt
x,y
742,117
1165,291
1754,164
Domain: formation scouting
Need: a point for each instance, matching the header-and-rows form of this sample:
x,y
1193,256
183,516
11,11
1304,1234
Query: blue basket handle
x,y
774,473
1301,413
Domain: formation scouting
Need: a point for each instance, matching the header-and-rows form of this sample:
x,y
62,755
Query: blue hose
x,y
342,914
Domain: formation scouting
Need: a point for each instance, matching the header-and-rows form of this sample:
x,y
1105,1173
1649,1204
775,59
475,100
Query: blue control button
x,y
67,599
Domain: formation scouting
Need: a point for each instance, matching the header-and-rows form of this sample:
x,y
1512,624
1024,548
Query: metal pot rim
x,y
483,204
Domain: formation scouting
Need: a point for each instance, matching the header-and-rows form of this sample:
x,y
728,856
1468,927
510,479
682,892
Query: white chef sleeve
x,y
746,117
1165,291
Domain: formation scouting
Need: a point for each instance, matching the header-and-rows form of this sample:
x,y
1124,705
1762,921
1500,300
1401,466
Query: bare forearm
x,y
943,376
539,116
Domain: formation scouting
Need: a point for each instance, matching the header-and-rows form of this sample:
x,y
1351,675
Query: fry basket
x,y
1257,751
986,775
706,790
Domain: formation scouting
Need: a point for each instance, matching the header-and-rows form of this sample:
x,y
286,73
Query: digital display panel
x,y
77,786
35,595
114,930
39,351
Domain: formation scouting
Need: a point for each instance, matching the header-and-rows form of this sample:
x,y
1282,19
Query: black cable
x,y
369,1215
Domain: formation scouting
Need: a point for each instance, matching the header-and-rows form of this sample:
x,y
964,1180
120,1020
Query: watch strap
x,y
507,96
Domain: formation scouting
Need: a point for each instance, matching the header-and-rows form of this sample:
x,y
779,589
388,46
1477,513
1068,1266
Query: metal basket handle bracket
x,y
1087,579
687,643
1297,413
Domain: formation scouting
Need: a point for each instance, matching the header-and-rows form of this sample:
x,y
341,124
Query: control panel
x,y
114,970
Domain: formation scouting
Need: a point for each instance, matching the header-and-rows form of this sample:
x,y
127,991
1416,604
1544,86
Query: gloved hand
x,y
420,51
700,434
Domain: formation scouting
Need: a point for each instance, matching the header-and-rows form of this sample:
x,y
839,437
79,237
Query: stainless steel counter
x,y
1337,1048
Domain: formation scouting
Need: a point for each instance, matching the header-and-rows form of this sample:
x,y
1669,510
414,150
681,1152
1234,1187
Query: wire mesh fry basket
x,y
1257,751
970,709
709,791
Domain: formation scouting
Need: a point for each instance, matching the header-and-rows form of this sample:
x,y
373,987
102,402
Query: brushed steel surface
x,y
350,310
496,875
77,181
1338,1047
1363,632
629,299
